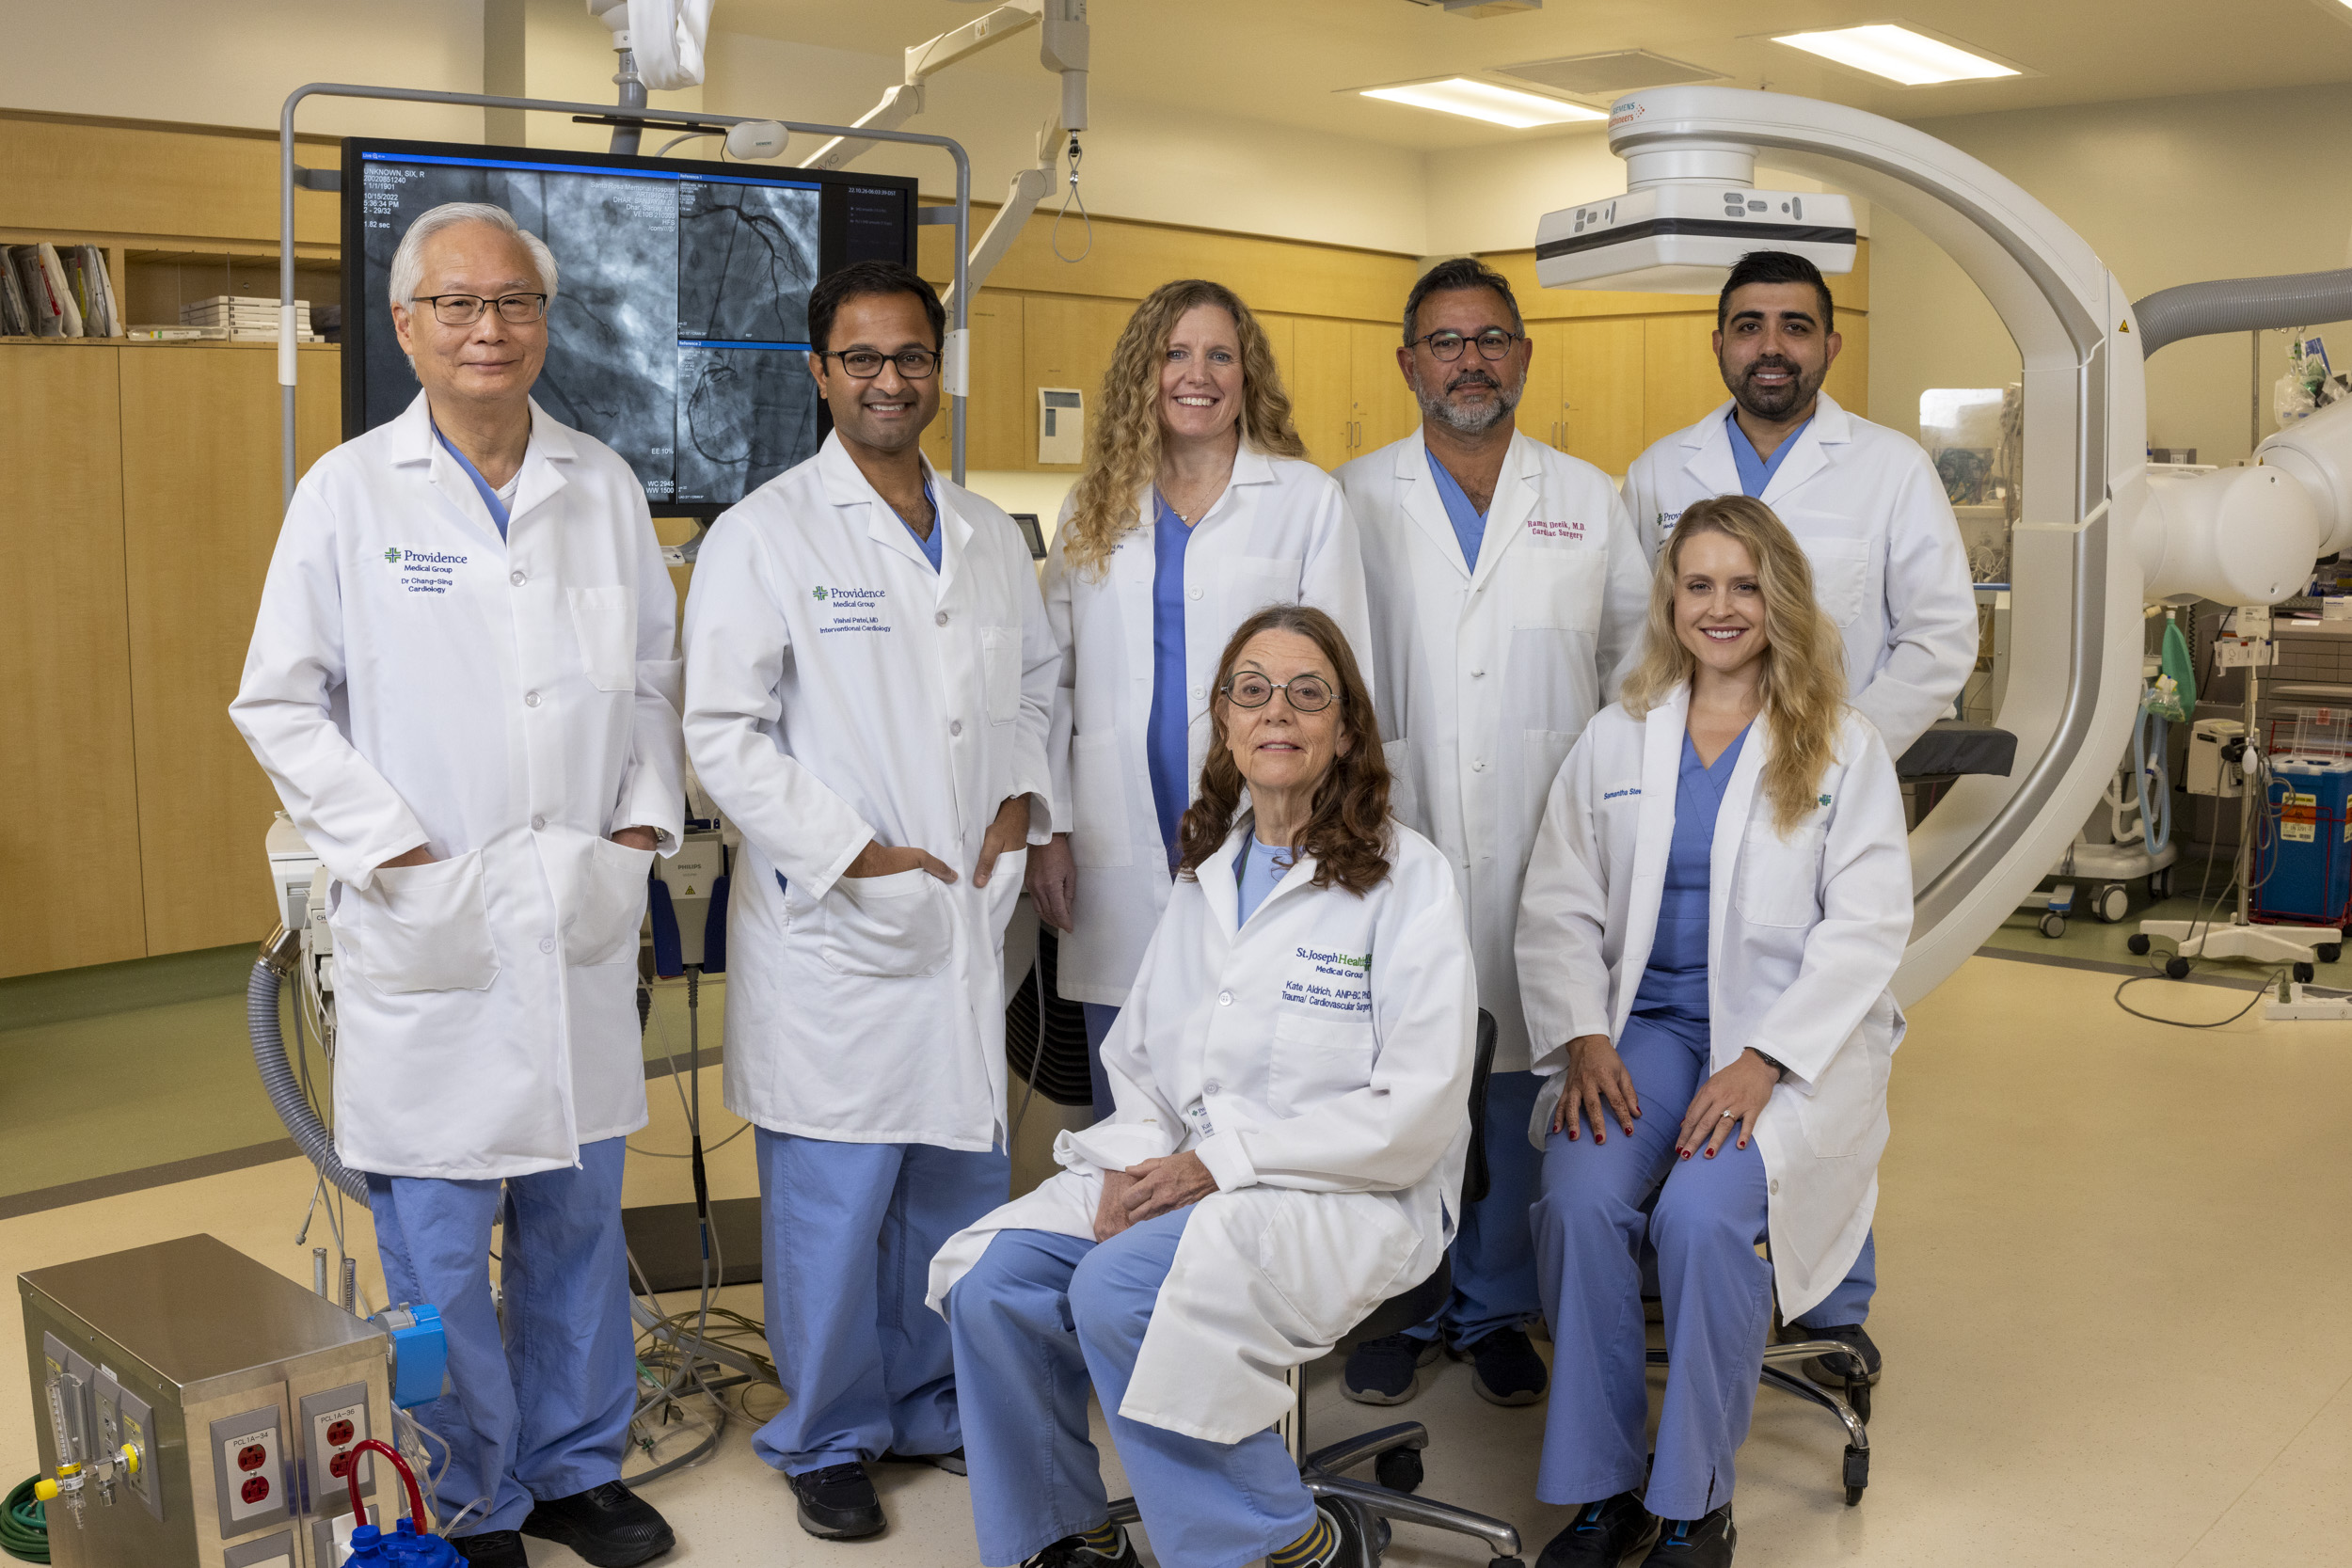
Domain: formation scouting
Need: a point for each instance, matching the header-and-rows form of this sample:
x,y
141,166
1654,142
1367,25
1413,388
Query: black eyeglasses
x,y
466,309
915,364
1307,694
1493,343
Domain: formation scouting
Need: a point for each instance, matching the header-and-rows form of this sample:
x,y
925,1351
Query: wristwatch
x,y
1770,1062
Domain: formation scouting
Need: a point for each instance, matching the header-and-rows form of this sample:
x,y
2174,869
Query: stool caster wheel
x,y
2176,968
2304,975
1857,1473
2137,943
1398,1469
2329,951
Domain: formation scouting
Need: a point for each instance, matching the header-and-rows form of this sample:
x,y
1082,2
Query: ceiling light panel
x,y
1898,55
1459,95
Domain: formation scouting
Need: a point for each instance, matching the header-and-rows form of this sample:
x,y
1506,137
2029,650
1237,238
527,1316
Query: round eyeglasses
x,y
1307,694
466,309
1493,343
915,364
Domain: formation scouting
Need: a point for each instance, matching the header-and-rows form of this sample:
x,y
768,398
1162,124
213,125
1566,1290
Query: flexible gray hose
x,y
277,1075
2242,305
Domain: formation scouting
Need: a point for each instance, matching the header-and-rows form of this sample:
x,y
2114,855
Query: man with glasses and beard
x,y
1888,564
1507,583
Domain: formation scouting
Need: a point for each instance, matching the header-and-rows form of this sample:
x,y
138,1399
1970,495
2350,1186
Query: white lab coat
x,y
1485,680
1318,1060
413,680
1888,564
838,691
1279,534
1803,934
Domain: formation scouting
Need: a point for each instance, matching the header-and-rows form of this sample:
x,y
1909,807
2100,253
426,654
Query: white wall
x,y
2168,191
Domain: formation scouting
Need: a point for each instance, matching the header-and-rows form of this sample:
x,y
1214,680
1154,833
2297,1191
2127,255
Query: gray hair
x,y
408,260
1449,276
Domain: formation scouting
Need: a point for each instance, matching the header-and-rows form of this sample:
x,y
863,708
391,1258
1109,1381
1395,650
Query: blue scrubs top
x,y
1675,981
489,492
1167,741
931,546
1757,472
1256,870
1470,524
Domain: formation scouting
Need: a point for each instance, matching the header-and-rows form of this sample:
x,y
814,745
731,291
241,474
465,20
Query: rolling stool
x,y
1395,1451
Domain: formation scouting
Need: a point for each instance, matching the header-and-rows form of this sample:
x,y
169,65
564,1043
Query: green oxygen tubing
x,y
2171,697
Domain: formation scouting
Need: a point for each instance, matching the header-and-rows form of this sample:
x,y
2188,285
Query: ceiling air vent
x,y
1478,8
1622,72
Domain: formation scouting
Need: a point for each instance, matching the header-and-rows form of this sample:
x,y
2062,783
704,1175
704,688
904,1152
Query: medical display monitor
x,y
678,335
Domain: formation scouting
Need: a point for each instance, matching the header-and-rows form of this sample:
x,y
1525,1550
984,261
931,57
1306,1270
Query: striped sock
x,y
1313,1546
1103,1539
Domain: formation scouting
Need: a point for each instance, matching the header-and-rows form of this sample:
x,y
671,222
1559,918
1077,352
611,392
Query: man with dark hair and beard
x,y
1888,564
1506,584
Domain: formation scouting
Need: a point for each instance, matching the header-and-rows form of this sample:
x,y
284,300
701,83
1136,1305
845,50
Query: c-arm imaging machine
x,y
2098,538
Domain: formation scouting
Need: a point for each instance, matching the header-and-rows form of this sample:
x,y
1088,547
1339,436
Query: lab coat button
x,y
940,618
1224,999
517,579
1478,672
530,699
1478,764
1198,692
1195,593
955,726
1774,1188
546,944
537,823
1211,1088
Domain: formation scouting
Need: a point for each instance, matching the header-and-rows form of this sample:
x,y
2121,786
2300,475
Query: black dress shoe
x,y
493,1549
1604,1534
951,1462
837,1502
610,1526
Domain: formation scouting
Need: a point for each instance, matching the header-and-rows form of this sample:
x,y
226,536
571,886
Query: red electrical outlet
x,y
256,1488
252,1457
338,1433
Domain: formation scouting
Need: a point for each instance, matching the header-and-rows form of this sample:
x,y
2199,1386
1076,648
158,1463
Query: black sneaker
x,y
610,1526
1604,1534
1386,1370
951,1462
1504,1368
493,1549
1704,1542
1071,1551
837,1502
1835,1372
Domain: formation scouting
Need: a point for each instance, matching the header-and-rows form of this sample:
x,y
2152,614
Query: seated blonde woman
x,y
1291,1077
1717,901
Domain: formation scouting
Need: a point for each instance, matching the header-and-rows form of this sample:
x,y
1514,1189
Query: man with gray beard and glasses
x,y
1506,586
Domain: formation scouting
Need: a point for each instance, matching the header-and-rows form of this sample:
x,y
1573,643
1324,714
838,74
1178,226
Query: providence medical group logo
x,y
424,570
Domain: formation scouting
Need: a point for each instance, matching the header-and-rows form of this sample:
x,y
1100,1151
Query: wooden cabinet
x,y
1679,378
1603,391
994,430
1066,340
1347,392
69,837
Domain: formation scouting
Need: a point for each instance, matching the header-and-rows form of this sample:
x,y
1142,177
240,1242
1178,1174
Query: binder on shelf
x,y
53,269
15,320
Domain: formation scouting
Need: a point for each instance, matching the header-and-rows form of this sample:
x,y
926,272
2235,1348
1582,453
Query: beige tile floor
x,y
2116,1260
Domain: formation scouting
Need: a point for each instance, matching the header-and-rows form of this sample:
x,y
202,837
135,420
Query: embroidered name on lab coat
x,y
1569,528
424,570
851,610
1329,981
1618,792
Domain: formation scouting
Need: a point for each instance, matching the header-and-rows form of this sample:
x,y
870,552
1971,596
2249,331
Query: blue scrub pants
x,y
1494,1248
1099,1017
1590,1223
848,1231
541,1409
1036,1317
1849,1304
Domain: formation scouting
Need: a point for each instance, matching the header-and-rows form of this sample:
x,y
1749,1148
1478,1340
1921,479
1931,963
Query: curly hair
x,y
1805,656
1122,452
1346,832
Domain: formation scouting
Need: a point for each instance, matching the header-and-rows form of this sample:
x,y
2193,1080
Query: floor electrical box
x,y
239,1390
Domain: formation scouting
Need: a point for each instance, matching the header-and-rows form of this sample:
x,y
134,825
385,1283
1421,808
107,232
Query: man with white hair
x,y
464,682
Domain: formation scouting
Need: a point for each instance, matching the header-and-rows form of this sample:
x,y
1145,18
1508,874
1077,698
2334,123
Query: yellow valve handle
x,y
46,1489
131,1458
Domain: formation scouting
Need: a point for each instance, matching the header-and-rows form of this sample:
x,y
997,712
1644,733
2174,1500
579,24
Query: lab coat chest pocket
x,y
1556,586
605,624
1254,582
422,927
1778,877
1000,672
1318,1059
1099,801
888,928
609,904
1842,575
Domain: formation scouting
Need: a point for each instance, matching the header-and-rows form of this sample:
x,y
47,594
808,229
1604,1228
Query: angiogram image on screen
x,y
744,418
747,257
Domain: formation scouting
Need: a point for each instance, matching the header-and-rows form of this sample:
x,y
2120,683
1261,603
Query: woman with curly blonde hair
x,y
1196,508
1718,899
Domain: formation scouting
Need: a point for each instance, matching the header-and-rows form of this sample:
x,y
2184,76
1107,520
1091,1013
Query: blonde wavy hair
x,y
1123,438
1804,657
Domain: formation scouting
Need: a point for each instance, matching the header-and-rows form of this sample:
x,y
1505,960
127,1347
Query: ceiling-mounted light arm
x,y
1063,49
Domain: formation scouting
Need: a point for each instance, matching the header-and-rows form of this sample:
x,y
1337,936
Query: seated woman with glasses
x,y
1718,899
1196,507
1291,1075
